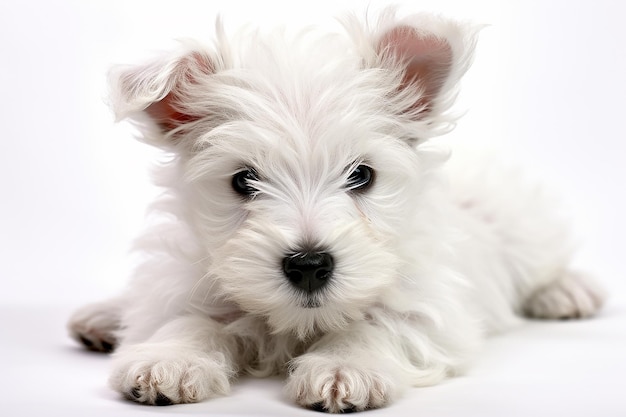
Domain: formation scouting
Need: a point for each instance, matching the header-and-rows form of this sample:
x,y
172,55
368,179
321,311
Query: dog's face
x,y
299,164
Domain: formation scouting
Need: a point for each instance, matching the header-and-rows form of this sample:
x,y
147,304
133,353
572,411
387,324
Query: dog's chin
x,y
311,316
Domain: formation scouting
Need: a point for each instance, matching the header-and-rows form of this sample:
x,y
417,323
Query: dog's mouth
x,y
311,302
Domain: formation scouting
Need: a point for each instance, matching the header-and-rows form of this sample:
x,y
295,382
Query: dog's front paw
x,y
164,375
337,386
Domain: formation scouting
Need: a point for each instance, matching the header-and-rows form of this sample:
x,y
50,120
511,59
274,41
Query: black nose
x,y
308,271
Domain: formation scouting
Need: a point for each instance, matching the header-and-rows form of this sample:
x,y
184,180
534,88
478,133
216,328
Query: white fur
x,y
424,267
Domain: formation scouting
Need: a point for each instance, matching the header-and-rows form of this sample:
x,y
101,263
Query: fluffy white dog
x,y
307,226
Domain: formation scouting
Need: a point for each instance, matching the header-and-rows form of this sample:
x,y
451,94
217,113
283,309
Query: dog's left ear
x,y
156,94
428,53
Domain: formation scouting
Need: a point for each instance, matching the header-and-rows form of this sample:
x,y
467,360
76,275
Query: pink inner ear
x,y
166,112
166,115
427,60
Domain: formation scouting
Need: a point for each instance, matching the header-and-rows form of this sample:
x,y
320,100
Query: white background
x,y
548,87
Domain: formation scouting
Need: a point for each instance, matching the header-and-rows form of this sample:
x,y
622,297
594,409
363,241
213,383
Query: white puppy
x,y
307,228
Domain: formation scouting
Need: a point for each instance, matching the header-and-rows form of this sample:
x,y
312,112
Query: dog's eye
x,y
361,178
241,182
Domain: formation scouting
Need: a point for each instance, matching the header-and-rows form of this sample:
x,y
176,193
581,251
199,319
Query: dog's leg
x,y
95,325
366,366
573,295
187,360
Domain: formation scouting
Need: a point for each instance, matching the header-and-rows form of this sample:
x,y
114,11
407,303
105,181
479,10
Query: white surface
x,y
572,369
548,86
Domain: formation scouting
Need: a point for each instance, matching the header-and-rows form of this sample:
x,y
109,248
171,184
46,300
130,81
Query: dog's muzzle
x,y
309,271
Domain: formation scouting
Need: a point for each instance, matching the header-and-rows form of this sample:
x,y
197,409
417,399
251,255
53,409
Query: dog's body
x,y
309,226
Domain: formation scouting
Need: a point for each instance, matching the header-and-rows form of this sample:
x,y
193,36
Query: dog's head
x,y
300,162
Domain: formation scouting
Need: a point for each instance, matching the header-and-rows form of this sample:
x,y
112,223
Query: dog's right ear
x,y
155,95
429,55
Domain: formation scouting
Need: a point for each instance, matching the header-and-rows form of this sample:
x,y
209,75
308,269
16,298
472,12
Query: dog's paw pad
x,y
189,377
97,342
107,346
572,296
162,400
320,408
338,388
85,341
